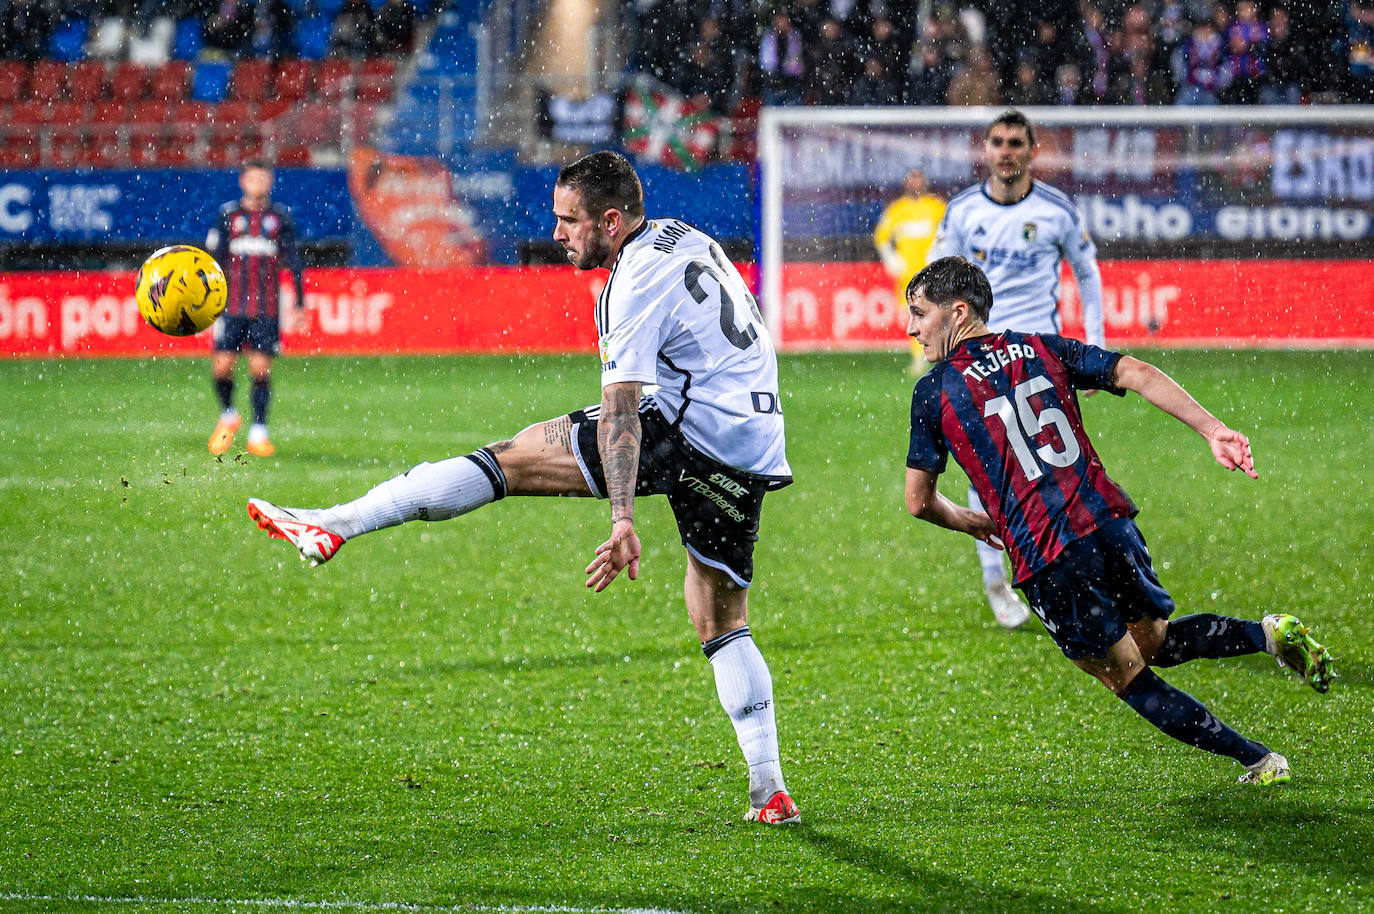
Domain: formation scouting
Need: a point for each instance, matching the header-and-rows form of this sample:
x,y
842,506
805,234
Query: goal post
x,y
1153,184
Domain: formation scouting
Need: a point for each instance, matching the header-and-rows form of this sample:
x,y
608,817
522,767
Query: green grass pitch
x,y
444,717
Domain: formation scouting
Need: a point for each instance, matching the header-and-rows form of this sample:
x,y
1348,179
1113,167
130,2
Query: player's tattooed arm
x,y
618,438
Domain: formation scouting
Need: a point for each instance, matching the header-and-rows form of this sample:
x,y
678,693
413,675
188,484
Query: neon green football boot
x,y
1290,641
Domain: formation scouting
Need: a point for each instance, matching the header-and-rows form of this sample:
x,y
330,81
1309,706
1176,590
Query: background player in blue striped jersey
x,y
1019,231
1005,405
674,313
253,239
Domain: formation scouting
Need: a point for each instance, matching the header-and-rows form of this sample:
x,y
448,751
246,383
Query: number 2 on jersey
x,y
740,339
1024,423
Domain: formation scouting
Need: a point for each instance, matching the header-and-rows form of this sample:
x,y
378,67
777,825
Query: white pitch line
x,y
291,904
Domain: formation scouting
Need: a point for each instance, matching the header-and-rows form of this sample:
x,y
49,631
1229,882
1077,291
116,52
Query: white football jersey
x,y
1020,247
676,313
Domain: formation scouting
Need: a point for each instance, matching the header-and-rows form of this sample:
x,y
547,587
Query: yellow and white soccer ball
x,y
181,290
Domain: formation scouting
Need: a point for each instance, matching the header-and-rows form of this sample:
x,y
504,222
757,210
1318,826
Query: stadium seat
x,y
153,47
112,112
108,38
312,36
14,80
317,123
170,82
66,115
85,81
153,111
20,152
250,80
293,155
100,147
189,113
46,80
232,153
129,83
68,40
294,81
376,77
26,118
334,77
145,148
277,107
189,38
210,82
232,124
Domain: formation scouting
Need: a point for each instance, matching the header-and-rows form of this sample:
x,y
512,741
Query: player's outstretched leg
x,y
537,461
1207,636
430,491
1290,641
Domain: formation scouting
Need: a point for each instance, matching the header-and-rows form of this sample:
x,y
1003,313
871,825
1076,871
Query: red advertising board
x,y
1145,303
826,306
376,312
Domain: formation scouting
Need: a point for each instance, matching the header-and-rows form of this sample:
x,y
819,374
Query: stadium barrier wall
x,y
829,306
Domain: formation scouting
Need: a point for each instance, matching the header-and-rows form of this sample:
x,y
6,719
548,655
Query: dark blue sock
x,y
1186,719
224,387
262,395
1207,635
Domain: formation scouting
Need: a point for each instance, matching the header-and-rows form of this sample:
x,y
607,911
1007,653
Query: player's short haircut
x,y
604,180
1013,118
951,279
256,163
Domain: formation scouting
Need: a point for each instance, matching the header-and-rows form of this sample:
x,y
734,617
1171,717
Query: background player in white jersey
x,y
675,313
1019,231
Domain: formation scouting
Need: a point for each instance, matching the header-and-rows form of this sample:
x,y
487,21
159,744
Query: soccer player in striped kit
x,y
253,239
1004,404
1019,231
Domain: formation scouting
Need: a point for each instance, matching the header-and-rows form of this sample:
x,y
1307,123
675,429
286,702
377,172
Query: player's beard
x,y
595,251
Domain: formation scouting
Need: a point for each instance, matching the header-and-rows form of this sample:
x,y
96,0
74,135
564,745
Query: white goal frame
x,y
773,120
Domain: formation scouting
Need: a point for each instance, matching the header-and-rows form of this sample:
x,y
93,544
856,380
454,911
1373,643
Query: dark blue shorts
x,y
232,334
1096,586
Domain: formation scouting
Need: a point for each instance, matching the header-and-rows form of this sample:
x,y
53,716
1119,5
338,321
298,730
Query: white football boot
x,y
1007,606
295,525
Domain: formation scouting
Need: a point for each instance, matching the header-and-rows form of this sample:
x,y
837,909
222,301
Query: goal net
x,y
1160,190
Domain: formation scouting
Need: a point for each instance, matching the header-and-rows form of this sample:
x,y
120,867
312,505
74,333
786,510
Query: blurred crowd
x,y
991,52
225,29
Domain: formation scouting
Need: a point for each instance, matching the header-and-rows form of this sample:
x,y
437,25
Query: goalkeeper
x,y
903,236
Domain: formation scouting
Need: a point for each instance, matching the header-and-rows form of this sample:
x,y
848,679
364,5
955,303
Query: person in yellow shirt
x,y
903,236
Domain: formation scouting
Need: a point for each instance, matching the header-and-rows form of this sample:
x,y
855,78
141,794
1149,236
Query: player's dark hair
x,y
952,279
1013,118
256,163
604,180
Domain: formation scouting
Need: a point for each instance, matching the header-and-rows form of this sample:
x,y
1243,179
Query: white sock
x,y
745,689
257,432
994,568
430,491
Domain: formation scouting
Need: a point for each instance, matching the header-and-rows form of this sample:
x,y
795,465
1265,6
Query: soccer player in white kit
x,y
1019,231
674,313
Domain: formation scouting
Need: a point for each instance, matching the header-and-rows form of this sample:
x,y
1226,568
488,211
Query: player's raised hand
x,y
1232,450
618,553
